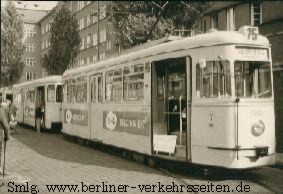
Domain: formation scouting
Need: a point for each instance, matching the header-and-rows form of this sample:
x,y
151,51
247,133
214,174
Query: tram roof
x,y
41,81
202,40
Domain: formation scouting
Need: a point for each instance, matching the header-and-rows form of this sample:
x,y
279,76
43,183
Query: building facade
x,y
268,16
31,41
97,41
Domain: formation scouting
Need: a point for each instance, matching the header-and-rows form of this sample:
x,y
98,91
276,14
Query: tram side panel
x,y
53,115
29,108
212,127
75,120
127,126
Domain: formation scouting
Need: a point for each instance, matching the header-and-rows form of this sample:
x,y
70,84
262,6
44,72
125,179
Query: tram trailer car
x,y
6,94
206,99
44,95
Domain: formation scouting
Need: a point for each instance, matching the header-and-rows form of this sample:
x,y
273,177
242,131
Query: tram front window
x,y
252,79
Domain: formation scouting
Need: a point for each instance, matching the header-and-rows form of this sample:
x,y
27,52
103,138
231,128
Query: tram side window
x,y
100,87
214,80
134,82
51,93
93,89
113,84
71,90
30,96
59,93
81,89
252,79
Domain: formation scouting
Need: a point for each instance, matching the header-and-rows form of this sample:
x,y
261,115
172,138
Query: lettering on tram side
x,y
75,116
130,122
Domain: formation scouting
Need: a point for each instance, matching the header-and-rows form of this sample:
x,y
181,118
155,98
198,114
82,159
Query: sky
x,y
41,5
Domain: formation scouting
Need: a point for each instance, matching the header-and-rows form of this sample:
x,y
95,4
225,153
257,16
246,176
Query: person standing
x,y
4,130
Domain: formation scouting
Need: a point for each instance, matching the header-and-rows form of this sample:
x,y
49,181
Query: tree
x,y
136,22
65,42
12,48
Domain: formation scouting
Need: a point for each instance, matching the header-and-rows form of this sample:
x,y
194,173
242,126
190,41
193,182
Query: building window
x,y
231,19
102,36
44,74
30,76
30,33
203,26
82,44
94,39
94,58
88,2
30,61
108,45
102,12
94,16
46,43
102,55
88,40
88,20
81,4
30,47
42,29
42,44
214,21
256,16
88,60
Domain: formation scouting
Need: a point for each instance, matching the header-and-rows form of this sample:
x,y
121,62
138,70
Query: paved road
x,y
45,159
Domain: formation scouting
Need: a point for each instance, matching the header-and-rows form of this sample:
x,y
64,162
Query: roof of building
x,y
202,40
31,16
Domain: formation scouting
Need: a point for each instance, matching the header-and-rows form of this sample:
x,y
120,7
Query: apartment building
x,y
97,41
268,16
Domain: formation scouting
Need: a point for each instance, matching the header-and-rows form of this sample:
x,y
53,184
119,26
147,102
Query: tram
x,y
6,93
45,94
206,100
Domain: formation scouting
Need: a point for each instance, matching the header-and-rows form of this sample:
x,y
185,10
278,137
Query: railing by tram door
x,y
171,117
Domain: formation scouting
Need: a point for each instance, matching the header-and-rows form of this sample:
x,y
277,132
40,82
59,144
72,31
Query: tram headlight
x,y
258,128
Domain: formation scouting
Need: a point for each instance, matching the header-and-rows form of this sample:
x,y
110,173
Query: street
x,y
35,160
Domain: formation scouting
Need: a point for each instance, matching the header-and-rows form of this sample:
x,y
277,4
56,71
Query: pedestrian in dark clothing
x,y
4,130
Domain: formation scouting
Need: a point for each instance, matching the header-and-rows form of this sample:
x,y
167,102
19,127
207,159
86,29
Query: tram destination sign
x,y
130,122
258,54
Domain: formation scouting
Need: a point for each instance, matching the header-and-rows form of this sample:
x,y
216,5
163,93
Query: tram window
x,y
252,79
71,90
134,82
113,84
30,96
51,93
59,93
81,89
100,92
93,89
214,80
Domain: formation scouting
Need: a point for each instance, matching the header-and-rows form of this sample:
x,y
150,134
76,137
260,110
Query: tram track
x,y
178,179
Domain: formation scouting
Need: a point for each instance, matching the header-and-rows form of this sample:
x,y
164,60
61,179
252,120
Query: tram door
x,y
96,107
40,105
169,103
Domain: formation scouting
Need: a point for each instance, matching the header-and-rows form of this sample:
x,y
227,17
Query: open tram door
x,y
40,106
171,107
